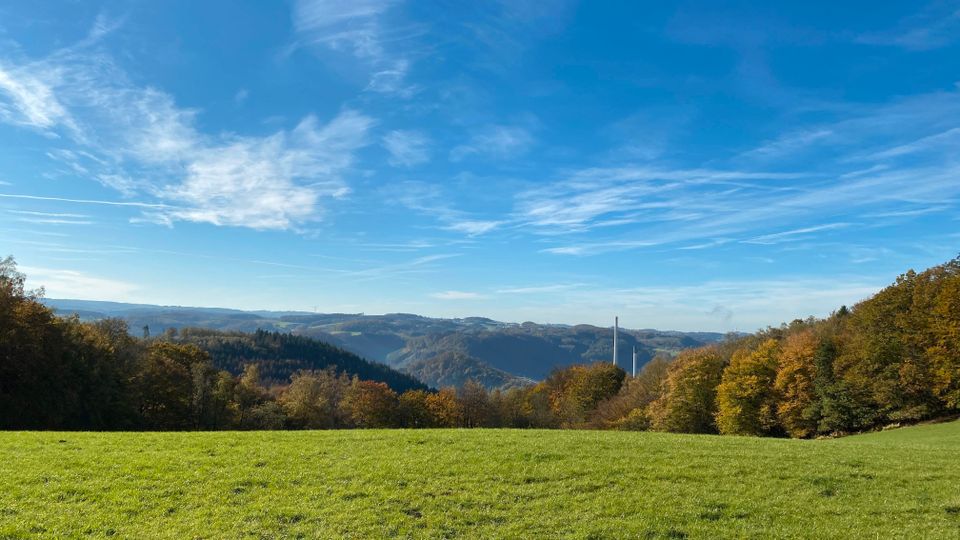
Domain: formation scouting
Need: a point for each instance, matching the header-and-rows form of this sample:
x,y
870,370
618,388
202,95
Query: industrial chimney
x,y
616,327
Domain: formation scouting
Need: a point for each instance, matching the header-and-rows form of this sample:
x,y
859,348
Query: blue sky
x,y
684,165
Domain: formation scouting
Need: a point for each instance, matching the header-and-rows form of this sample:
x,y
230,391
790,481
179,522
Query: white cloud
x,y
420,265
457,295
904,126
138,141
407,147
342,25
790,143
55,221
474,227
48,214
359,28
603,197
647,206
947,140
539,289
51,218
391,79
29,100
775,238
73,284
595,248
155,206
254,182
432,200
495,142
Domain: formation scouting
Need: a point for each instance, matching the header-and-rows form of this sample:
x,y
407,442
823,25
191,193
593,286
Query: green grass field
x,y
479,484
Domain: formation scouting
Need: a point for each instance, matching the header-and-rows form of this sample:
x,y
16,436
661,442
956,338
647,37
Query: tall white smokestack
x,y
616,327
634,361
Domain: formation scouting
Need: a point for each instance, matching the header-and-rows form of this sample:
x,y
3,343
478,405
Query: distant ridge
x,y
439,352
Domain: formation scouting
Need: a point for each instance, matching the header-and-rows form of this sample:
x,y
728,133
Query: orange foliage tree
x,y
796,374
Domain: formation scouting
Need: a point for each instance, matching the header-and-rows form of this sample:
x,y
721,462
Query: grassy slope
x,y
479,483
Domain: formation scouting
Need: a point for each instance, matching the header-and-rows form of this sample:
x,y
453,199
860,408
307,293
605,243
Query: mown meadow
x,y
479,484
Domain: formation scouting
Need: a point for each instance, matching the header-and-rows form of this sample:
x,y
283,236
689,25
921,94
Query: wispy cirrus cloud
x,y
156,206
789,143
775,238
869,132
432,200
473,227
48,214
421,265
457,295
935,26
670,213
407,147
540,289
599,197
937,142
499,142
360,29
874,162
51,218
30,100
353,26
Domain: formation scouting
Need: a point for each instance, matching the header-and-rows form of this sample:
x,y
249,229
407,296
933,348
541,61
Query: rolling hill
x,y
279,355
439,352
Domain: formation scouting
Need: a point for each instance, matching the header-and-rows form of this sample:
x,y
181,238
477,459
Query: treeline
x,y
894,358
890,359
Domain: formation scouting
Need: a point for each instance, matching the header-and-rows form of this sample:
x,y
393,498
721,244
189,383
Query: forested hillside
x,y
279,355
439,352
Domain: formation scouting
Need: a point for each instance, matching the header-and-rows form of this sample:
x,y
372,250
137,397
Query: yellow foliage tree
x,y
746,399
445,408
944,352
688,402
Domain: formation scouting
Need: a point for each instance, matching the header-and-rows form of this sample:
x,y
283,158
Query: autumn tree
x,y
577,390
794,384
248,394
413,409
370,404
172,386
445,409
943,348
746,398
313,399
688,400
512,407
478,410
628,409
538,406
